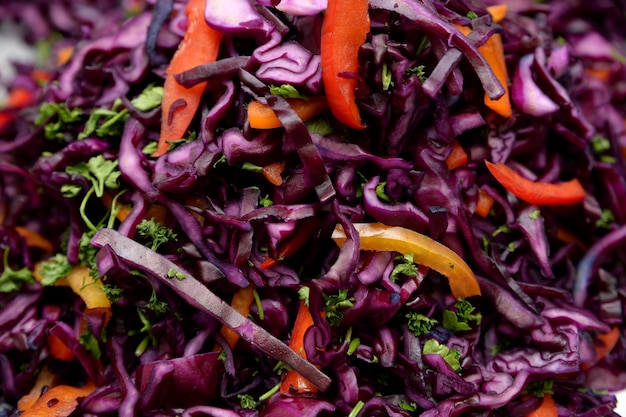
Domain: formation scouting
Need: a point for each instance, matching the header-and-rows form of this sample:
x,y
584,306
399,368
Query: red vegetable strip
x,y
273,172
262,116
58,349
604,344
533,192
344,30
17,99
300,236
241,302
546,409
200,45
59,401
458,157
293,381
484,204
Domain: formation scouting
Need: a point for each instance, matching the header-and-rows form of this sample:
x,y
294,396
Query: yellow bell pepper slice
x,y
426,251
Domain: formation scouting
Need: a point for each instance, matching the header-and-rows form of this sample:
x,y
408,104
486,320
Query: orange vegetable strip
x,y
262,116
58,349
302,234
90,291
64,54
200,45
45,378
18,98
538,193
59,401
426,251
546,409
273,172
34,239
604,344
458,157
484,204
497,12
344,29
242,300
293,381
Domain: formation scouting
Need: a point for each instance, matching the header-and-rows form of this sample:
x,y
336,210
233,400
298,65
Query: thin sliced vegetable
x,y
45,378
493,52
604,344
458,157
90,290
59,401
262,116
273,172
345,27
241,302
484,204
200,45
17,99
34,239
546,409
533,192
301,235
58,349
497,12
426,251
293,382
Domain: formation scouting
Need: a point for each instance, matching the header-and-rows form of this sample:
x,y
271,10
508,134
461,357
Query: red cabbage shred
x,y
387,333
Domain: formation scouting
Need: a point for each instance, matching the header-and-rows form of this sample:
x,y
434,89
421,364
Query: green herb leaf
x,y
287,91
387,77
13,279
149,98
247,402
606,219
101,172
155,233
451,356
404,266
334,305
55,117
420,324
319,126
540,388
407,406
419,71
381,194
54,269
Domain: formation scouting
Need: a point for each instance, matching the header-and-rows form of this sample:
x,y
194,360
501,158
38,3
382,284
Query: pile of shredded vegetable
x,y
314,208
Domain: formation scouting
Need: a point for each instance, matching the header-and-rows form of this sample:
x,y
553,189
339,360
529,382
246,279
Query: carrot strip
x,y
91,292
59,401
497,12
458,157
200,45
273,172
538,193
242,300
604,344
344,29
293,381
45,378
262,116
546,409
484,203
58,349
34,239
18,98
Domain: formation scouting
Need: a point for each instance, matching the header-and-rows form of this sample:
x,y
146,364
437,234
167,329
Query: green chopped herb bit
x,y
419,71
269,393
404,266
113,292
606,219
353,346
303,294
319,126
54,269
420,324
13,279
265,201
407,406
540,388
287,91
90,343
247,166
471,14
357,409
259,304
534,215
149,99
460,320
451,356
381,194
247,401
502,229
155,233
334,305
55,117
387,77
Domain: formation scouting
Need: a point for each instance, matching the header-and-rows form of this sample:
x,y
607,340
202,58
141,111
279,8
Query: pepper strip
x,y
533,192
200,297
426,251
344,30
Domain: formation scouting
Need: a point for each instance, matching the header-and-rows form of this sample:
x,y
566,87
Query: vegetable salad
x,y
314,208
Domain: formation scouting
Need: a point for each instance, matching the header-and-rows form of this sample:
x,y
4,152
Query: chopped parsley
x,y
54,269
404,266
387,77
334,306
247,401
420,324
13,279
451,356
287,91
460,320
155,233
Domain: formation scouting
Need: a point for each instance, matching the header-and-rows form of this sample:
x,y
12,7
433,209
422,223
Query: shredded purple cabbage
x,y
170,240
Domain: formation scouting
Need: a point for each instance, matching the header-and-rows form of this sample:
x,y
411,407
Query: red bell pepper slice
x,y
344,30
200,45
534,192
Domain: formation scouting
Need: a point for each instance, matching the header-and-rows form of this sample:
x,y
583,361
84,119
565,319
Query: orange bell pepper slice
x,y
58,401
262,116
426,251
